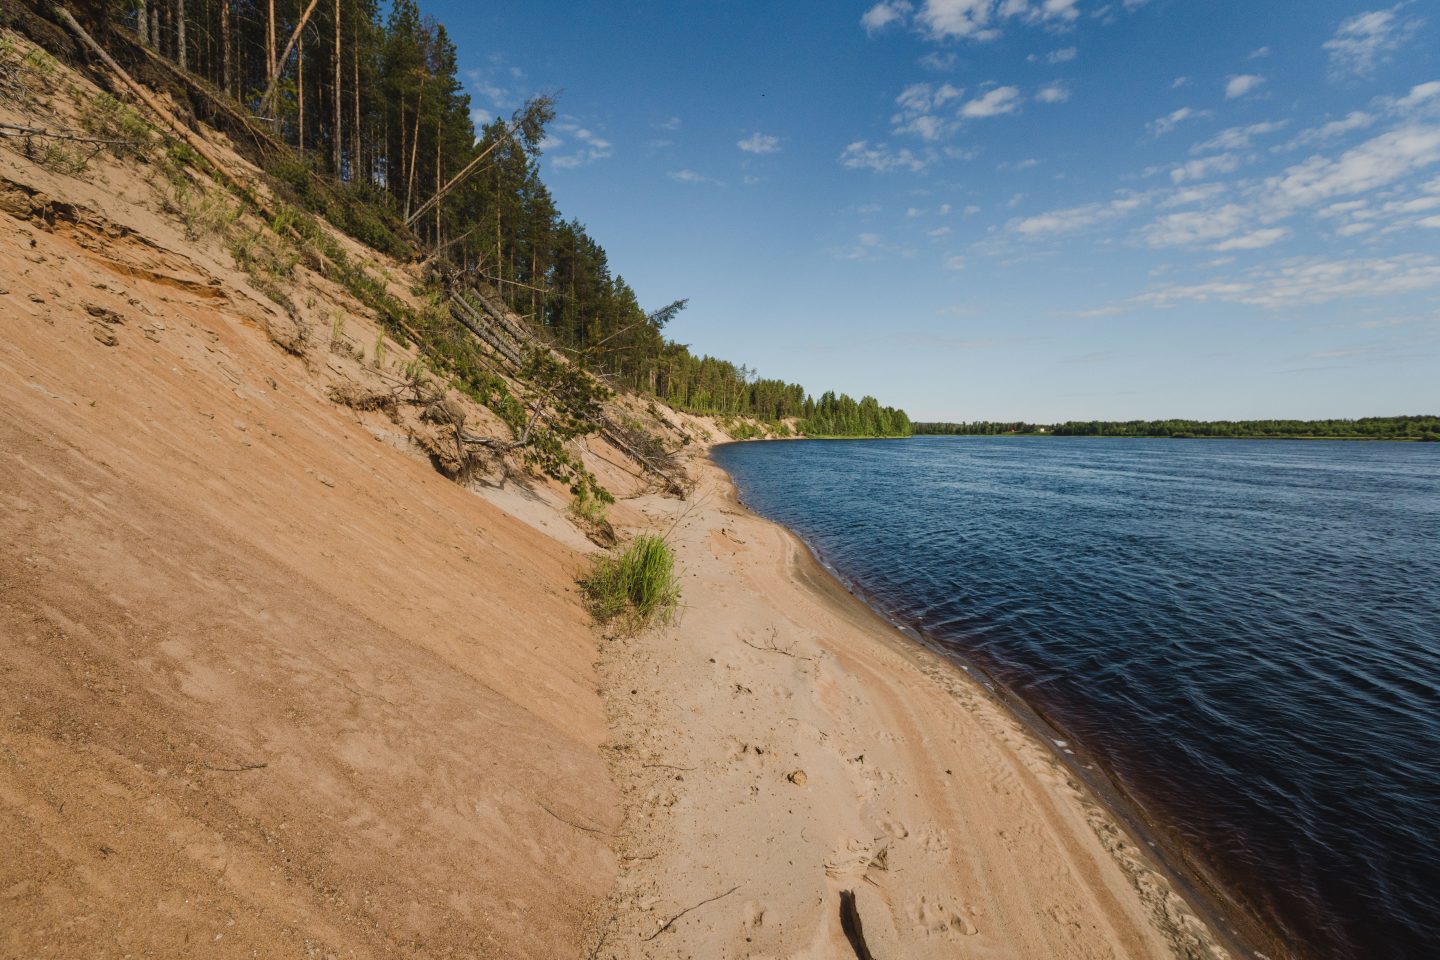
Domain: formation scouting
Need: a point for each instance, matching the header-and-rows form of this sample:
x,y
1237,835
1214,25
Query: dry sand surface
x,y
272,687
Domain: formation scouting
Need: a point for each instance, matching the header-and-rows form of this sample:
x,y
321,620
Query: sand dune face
x,y
271,686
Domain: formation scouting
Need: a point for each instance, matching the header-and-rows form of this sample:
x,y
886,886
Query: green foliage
x,y
105,117
634,587
841,416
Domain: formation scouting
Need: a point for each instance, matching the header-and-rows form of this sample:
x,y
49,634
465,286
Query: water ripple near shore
x,y
1246,634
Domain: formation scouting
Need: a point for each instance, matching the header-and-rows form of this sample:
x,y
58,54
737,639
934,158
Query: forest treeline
x,y
1365,428
368,95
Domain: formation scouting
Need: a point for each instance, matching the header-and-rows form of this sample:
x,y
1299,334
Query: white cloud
x,y
690,176
1253,240
590,147
1064,55
1259,53
981,19
993,103
1053,93
1375,163
759,143
939,62
1196,194
1162,126
673,123
862,155
882,15
1241,84
1421,93
956,262
917,104
1355,120
1197,226
1308,281
1366,40
939,232
1205,168
1073,219
1239,138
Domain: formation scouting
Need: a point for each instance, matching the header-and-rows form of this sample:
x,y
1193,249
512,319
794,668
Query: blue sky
x,y
1009,209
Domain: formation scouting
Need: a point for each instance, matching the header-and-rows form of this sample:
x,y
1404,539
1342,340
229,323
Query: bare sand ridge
x,y
271,686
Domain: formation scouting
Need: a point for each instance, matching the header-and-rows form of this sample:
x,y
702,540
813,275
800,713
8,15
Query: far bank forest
x,y
1365,428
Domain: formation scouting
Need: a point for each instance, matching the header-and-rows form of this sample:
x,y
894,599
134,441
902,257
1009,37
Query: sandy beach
x,y
782,744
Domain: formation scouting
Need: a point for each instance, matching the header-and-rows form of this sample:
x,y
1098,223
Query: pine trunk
x,y
270,45
142,25
225,45
180,53
300,95
336,137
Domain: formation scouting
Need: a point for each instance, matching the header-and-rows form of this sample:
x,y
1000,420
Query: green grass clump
x,y
635,587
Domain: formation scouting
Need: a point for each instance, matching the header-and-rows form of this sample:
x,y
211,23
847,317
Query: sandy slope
x,y
269,685
782,744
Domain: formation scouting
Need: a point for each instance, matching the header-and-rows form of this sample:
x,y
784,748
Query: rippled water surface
x,y
1245,633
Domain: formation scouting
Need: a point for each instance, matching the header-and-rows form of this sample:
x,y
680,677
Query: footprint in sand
x,y
937,918
893,829
934,842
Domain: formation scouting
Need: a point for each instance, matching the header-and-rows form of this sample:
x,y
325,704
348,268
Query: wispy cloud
x,y
1073,219
1254,240
760,143
1173,119
690,176
978,20
1205,167
588,146
1366,40
1053,93
884,14
993,103
881,158
1354,120
919,110
1239,138
1306,281
1242,84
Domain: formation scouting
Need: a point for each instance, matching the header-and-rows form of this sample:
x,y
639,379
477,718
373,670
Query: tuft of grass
x,y
635,587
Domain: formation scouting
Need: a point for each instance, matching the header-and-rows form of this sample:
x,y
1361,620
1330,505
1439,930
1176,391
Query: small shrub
x,y
634,587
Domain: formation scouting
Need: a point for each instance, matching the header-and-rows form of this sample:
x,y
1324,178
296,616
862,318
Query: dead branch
x,y
571,823
19,130
771,647
269,95
666,925
239,769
